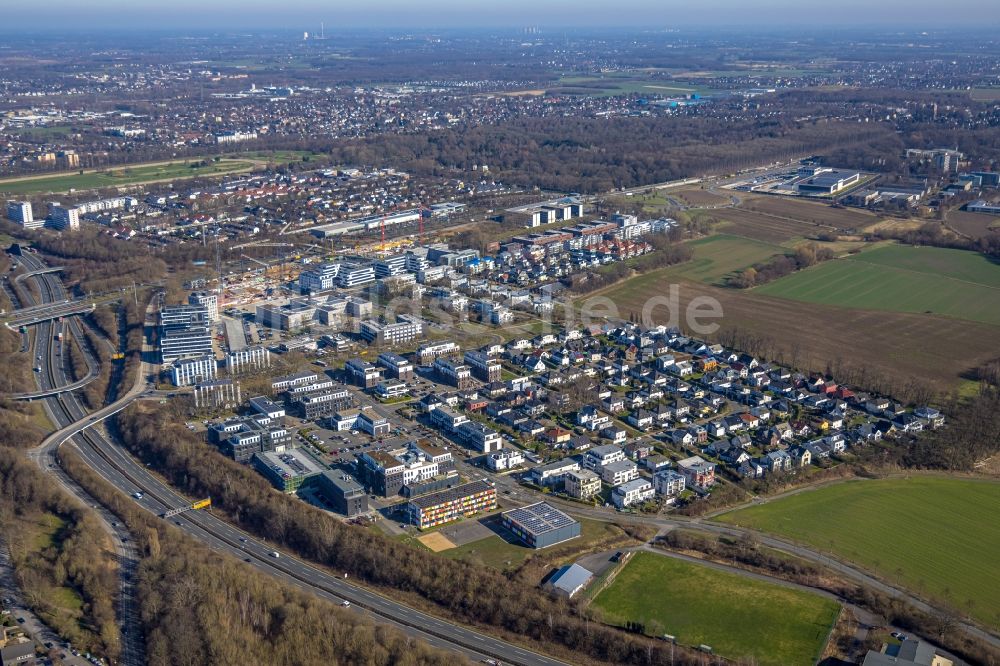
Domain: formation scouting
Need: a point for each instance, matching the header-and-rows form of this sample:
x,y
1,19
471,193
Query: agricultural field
x,y
695,197
716,258
621,83
973,225
898,345
118,176
935,535
731,613
897,278
811,213
759,227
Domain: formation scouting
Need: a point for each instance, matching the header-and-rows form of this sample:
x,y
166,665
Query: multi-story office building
x,y
453,372
208,299
186,372
268,408
396,366
401,332
344,493
452,504
297,379
248,359
362,373
286,470
390,266
540,525
388,473
320,278
325,403
391,388
427,353
240,438
184,332
484,366
355,275
21,213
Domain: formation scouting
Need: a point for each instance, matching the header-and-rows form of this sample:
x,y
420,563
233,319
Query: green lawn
x,y
123,175
955,283
737,616
715,258
936,535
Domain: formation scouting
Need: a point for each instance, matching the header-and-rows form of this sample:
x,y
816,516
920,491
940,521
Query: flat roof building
x,y
540,525
344,493
452,504
286,470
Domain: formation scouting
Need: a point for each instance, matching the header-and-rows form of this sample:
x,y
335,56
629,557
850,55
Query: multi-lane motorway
x,y
119,468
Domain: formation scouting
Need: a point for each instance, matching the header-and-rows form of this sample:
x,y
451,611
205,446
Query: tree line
x,y
780,265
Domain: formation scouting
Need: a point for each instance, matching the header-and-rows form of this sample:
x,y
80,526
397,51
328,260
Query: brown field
x,y
893,225
767,228
811,212
698,197
973,225
901,346
436,542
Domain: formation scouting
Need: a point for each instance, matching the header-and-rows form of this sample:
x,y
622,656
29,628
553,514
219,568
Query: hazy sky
x,y
41,15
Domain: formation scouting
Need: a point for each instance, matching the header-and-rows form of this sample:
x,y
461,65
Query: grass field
x,y
954,283
736,615
938,536
717,257
117,176
698,197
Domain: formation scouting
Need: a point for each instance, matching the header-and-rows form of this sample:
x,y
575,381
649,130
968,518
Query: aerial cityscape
x,y
536,334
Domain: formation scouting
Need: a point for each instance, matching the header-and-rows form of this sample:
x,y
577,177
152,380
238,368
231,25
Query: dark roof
x,y
451,494
539,518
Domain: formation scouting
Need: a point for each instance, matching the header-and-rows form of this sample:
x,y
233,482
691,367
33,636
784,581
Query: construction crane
x,y
382,225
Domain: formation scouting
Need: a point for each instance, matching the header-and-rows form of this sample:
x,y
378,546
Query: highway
x,y
62,409
113,463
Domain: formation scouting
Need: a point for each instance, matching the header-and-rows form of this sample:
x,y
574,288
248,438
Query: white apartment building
x,y
632,492
619,472
668,483
64,218
21,213
582,484
504,459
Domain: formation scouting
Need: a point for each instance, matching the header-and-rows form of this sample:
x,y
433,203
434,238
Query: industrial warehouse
x,y
540,525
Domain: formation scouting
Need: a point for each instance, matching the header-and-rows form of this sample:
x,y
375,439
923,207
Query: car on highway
x,y
345,603
137,495
275,554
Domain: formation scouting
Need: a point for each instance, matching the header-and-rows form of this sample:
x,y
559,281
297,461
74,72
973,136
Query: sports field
x,y
897,278
936,535
737,616
123,175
